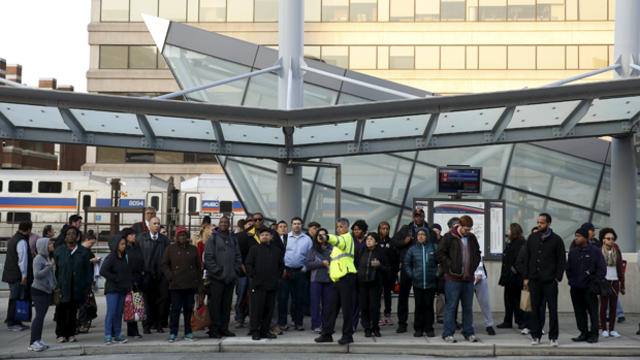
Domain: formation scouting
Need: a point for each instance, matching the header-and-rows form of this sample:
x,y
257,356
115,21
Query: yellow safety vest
x,y
341,256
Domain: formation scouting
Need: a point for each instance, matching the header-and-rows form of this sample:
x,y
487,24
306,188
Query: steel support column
x,y
290,95
624,176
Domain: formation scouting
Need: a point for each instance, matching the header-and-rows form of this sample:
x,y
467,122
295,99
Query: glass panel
x,y
603,202
213,10
260,92
107,122
401,10
379,176
114,10
493,159
401,57
468,121
363,10
423,183
592,9
541,114
452,57
362,57
612,109
240,11
336,55
551,10
110,155
142,57
427,10
452,10
395,127
266,10
254,134
312,10
193,69
521,10
350,99
33,116
139,7
175,10
593,57
49,187
522,57
258,188
492,57
427,57
113,57
168,157
318,96
325,133
164,126
575,180
550,57
600,221
492,10
20,186
335,10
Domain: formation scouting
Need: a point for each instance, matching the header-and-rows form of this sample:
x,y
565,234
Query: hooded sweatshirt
x,y
43,278
116,269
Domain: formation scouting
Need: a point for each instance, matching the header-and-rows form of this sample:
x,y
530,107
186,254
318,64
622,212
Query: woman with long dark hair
x,y
511,279
317,262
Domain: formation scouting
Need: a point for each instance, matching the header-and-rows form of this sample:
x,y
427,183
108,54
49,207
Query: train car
x,y
205,194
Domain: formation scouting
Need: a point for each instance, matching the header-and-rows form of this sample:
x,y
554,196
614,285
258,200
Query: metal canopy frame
x,y
431,111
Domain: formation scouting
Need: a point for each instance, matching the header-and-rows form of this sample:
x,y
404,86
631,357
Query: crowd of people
x,y
279,276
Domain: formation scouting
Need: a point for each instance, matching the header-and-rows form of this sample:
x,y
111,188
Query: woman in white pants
x,y
481,288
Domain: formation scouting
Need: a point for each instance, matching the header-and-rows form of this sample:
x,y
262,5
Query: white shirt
x,y
612,273
23,259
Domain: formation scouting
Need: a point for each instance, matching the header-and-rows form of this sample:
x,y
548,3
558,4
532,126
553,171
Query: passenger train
x,y
50,197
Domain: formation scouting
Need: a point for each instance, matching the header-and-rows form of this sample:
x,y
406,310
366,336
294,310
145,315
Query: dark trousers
x,y
610,301
585,302
341,297
389,285
220,304
156,298
41,303
423,315
261,305
181,302
320,295
403,298
542,292
512,305
66,319
369,294
132,328
293,287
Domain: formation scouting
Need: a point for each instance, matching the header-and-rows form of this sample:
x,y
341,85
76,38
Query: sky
x,y
49,38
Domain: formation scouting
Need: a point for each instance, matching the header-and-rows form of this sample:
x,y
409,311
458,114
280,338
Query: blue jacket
x,y
584,266
420,264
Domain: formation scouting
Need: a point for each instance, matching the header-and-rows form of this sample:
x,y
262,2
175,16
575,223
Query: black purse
x,y
600,287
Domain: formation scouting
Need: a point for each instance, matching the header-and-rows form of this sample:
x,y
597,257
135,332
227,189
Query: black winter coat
x,y
366,272
449,255
265,264
509,275
544,260
74,273
116,270
136,262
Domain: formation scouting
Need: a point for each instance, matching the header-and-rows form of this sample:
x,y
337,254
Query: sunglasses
x,y
258,219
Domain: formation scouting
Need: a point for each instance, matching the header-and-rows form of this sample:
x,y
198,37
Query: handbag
x,y
200,319
525,300
22,310
600,287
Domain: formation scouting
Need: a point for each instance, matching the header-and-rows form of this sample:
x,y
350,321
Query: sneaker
x,y
450,339
277,331
535,341
14,328
72,339
554,343
107,340
381,322
324,339
471,338
120,340
43,344
605,333
61,340
613,334
172,338
317,330
189,337
387,320
525,331
35,347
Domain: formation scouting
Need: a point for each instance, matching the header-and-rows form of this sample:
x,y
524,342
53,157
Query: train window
x,y
0,185
192,204
155,202
20,186
50,187
86,201
18,217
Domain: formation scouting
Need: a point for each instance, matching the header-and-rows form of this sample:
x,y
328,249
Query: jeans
x,y
241,299
41,303
294,288
320,295
454,292
115,308
542,292
181,301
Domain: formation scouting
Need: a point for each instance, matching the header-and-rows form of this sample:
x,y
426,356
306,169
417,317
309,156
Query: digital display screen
x,y
459,180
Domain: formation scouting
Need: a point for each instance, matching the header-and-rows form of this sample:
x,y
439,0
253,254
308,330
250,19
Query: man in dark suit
x,y
143,226
155,285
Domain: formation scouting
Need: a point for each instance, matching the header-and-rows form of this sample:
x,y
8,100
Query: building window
x,y
175,10
550,10
521,57
452,10
335,10
139,7
521,10
592,10
113,56
114,10
550,57
492,10
401,10
363,10
213,10
20,186
362,57
266,10
428,10
50,187
240,11
312,10
427,57
401,57
492,57
593,57
452,57
142,57
336,55
18,217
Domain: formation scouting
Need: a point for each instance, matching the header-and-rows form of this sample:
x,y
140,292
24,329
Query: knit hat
x,y
584,232
182,229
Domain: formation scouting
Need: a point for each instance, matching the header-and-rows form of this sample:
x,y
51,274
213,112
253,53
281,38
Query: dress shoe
x,y
490,330
504,326
592,339
324,339
214,335
268,336
255,337
227,333
430,333
418,333
581,337
367,333
401,329
159,330
376,333
345,340
146,331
